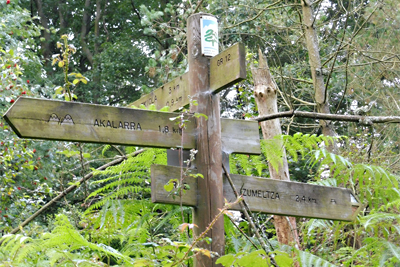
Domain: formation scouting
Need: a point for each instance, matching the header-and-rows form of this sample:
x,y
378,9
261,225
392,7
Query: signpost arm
x,y
209,157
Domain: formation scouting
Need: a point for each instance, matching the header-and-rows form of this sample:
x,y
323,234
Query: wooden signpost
x,y
264,195
227,68
72,121
212,137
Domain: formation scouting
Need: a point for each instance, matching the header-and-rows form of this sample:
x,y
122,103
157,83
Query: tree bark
x,y
45,32
320,91
265,92
84,31
363,120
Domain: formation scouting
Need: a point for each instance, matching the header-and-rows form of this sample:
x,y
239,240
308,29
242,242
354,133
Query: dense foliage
x,y
118,50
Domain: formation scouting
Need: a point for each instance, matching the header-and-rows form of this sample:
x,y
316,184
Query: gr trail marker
x,y
265,195
209,36
212,137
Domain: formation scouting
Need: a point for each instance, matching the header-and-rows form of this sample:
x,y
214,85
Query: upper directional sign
x,y
227,68
265,195
173,94
72,121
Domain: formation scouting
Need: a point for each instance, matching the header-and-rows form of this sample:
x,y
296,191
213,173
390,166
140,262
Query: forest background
x,y
120,50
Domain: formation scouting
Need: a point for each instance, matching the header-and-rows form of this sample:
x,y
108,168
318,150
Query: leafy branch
x,y
63,62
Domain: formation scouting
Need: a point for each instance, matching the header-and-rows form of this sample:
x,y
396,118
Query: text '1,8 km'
x,y
72,121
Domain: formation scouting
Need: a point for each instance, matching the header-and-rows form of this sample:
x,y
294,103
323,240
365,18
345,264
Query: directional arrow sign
x,y
173,94
72,121
226,69
265,195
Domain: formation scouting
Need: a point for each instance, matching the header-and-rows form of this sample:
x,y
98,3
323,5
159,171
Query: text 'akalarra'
x,y
118,124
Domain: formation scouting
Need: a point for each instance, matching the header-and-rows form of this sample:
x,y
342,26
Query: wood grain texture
x,y
209,156
30,118
228,68
240,136
165,173
71,121
173,94
268,196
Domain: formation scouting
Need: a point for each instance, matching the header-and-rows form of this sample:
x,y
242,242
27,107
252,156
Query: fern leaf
x,y
308,259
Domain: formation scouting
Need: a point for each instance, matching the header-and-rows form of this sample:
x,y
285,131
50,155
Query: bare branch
x,y
366,120
70,189
255,17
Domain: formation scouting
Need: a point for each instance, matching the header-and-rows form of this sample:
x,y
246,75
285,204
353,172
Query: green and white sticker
x,y
209,36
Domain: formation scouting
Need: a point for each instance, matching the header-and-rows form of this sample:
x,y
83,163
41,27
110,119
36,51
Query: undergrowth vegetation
x,y
121,227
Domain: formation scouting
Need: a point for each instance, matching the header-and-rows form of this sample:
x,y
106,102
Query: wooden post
x,y
209,156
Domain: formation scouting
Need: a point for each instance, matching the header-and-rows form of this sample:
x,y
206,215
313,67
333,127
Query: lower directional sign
x,y
72,121
264,195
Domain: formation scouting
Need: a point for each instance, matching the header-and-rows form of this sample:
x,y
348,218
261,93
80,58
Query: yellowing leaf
x,y
84,80
58,89
61,64
54,61
76,81
206,252
183,226
170,185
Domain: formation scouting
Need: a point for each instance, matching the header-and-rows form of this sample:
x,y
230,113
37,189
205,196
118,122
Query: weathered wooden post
x,y
209,157
72,121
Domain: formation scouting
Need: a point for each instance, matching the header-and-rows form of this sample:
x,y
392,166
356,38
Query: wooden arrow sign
x,y
72,121
265,195
226,69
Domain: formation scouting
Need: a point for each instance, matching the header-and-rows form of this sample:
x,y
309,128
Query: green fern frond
x,y
273,151
62,246
307,259
105,149
115,195
326,182
375,219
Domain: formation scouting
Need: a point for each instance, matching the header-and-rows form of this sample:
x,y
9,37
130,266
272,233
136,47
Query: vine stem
x,y
70,189
201,236
245,207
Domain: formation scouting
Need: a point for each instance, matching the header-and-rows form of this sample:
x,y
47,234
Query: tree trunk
x,y
320,91
84,31
45,32
265,92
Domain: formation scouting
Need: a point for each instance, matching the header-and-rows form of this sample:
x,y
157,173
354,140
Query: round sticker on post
x,y
209,36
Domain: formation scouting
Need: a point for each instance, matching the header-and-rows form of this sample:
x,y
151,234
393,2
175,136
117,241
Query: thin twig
x,y
243,233
366,120
198,6
245,207
70,189
201,236
255,17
